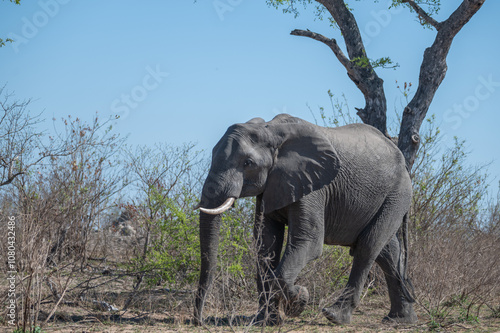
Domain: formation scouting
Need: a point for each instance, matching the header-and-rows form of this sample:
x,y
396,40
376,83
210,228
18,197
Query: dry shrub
x,y
57,207
456,270
33,251
455,252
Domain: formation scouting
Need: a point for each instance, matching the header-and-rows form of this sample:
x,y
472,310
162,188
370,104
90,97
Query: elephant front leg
x,y
305,243
268,236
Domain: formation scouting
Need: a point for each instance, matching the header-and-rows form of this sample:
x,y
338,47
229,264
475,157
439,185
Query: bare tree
x,y
17,137
21,142
362,71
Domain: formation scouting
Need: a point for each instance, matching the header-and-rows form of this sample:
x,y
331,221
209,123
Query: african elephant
x,y
340,186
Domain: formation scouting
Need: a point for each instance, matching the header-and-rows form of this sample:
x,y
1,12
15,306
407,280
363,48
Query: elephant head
x,y
281,161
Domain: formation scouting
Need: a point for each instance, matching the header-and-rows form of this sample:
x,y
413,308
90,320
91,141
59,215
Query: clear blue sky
x,y
190,70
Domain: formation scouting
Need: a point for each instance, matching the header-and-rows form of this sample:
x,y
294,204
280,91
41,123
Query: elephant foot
x,y
401,317
338,314
296,305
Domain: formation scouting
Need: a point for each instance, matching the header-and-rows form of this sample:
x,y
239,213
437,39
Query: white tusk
x,y
221,209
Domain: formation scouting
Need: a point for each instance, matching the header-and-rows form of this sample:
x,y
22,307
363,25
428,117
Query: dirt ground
x,y
358,325
367,318
289,327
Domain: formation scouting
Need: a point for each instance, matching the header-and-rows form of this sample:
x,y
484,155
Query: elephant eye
x,y
248,163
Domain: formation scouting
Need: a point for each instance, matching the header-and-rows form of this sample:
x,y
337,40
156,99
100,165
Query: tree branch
x,y
331,43
11,178
363,76
422,14
432,73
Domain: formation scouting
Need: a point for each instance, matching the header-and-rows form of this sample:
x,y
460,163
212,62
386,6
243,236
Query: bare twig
x,y
60,299
422,14
331,43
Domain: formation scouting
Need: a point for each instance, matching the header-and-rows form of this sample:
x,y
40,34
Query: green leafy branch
x,y
9,40
2,41
365,62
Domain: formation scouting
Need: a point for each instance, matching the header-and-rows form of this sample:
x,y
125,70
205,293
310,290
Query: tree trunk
x,y
432,70
432,73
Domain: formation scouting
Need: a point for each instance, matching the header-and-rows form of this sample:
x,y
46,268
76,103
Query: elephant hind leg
x,y
366,250
364,255
341,311
401,300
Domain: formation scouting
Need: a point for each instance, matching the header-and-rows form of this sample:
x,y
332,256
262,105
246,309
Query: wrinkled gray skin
x,y
342,186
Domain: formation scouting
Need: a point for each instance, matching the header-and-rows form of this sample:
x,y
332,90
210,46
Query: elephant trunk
x,y
209,244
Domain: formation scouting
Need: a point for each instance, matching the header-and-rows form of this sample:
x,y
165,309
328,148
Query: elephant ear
x,y
305,162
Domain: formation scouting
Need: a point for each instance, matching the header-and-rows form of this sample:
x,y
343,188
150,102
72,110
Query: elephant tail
x,y
408,289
